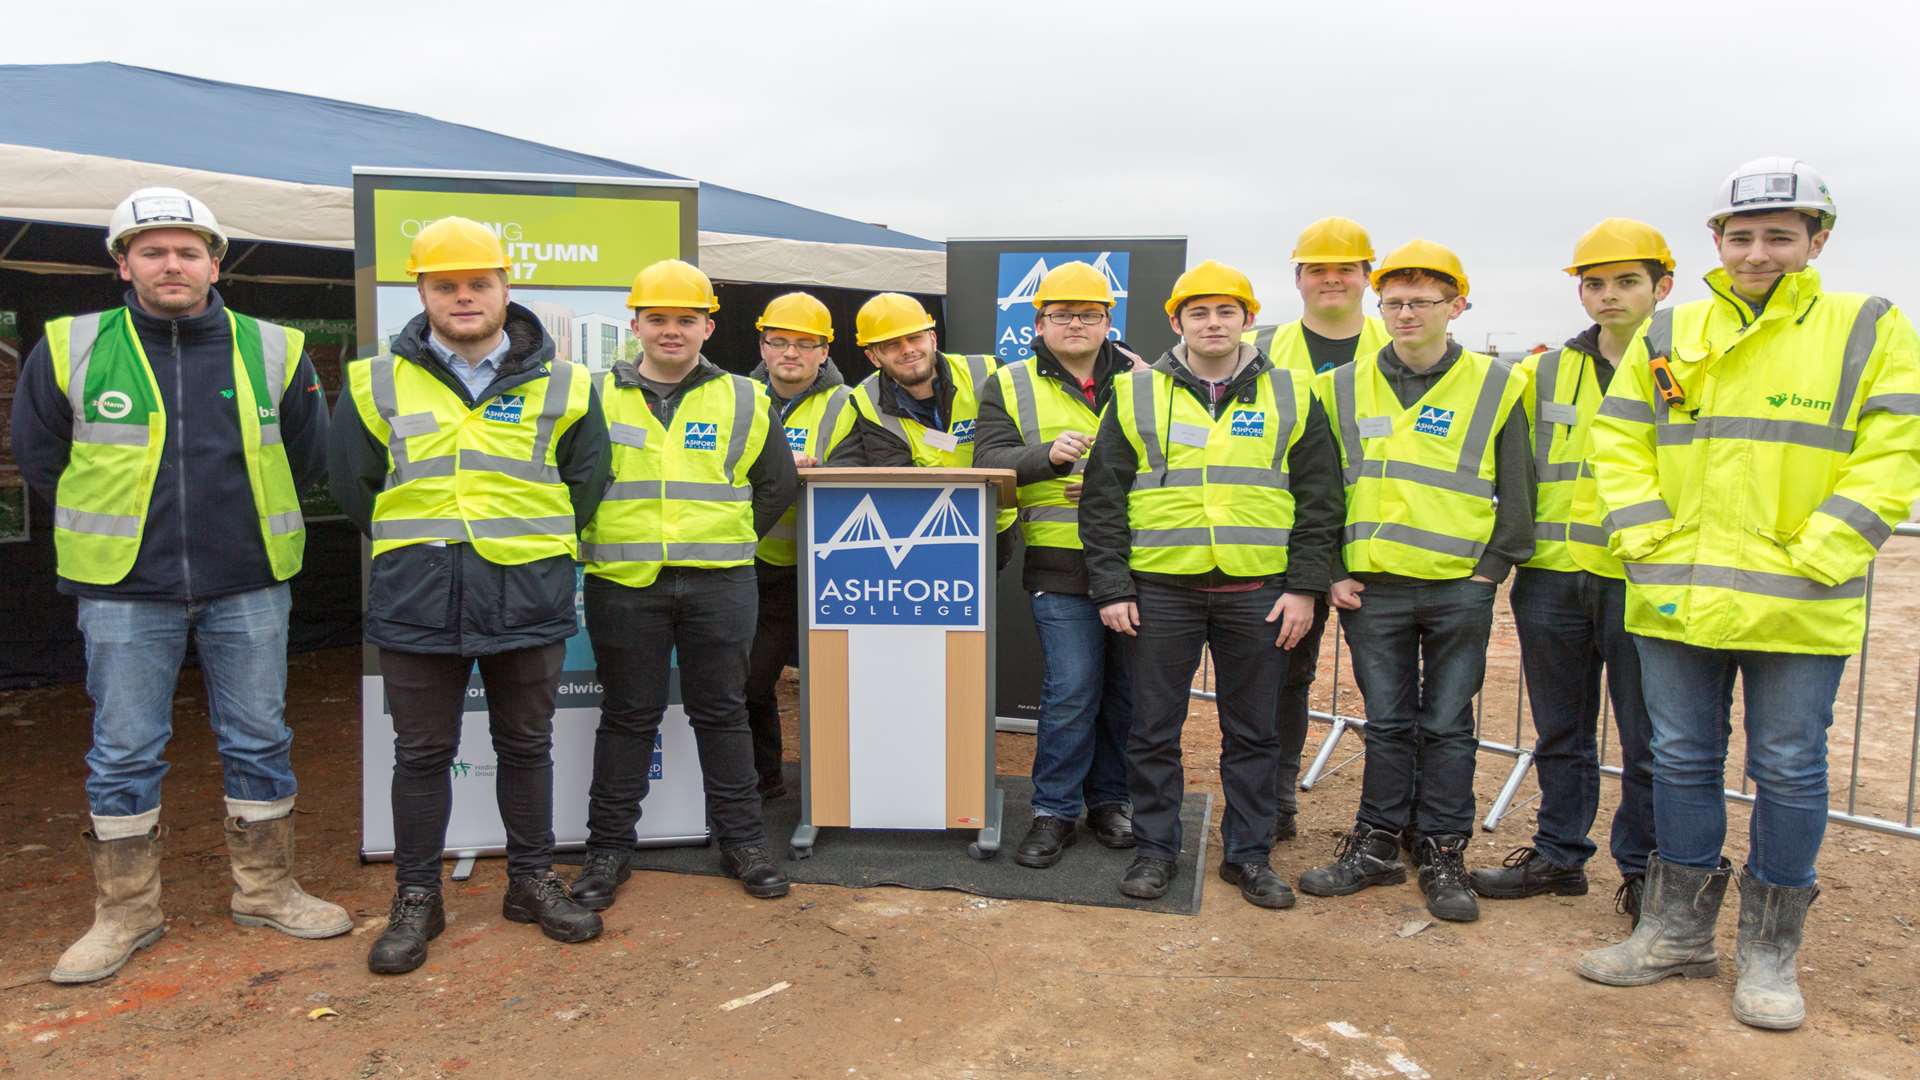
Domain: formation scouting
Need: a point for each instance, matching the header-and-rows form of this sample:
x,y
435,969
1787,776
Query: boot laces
x,y
1448,865
549,887
602,863
1623,896
408,906
1519,856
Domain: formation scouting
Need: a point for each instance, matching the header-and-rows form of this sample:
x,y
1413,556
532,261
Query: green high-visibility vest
x,y
120,431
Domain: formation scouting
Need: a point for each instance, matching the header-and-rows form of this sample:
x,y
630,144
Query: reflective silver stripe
x,y
1638,412
710,552
553,406
1026,412
1853,362
1755,429
1659,341
1474,447
1583,533
85,521
1412,537
1050,513
784,529
1345,404
701,491
282,524
1250,475
1550,530
1429,476
1256,535
1145,424
111,434
417,529
621,553
427,468
1282,380
273,359
1548,385
80,340
269,434
419,423
1645,513
829,419
1756,582
629,490
1868,524
628,435
1263,341
977,371
386,402
746,393
1557,472
503,528
1897,404
887,420
1192,536
530,471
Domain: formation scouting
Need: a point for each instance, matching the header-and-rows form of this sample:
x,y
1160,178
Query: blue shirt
x,y
477,377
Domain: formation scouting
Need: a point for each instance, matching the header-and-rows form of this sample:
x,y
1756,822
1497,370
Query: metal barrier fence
x,y
1523,755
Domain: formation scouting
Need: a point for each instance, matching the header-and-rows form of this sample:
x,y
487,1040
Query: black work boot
x,y
542,898
1112,825
1626,899
1526,873
1366,856
772,786
1045,842
600,877
1286,826
1147,878
754,867
1443,878
417,917
1259,885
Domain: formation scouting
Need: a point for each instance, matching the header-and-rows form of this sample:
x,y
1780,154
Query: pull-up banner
x,y
575,244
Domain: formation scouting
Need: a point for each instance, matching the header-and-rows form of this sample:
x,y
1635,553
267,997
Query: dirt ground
x,y
895,983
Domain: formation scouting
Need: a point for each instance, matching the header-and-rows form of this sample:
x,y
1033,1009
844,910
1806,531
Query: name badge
x,y
941,441
1189,435
1375,427
1553,412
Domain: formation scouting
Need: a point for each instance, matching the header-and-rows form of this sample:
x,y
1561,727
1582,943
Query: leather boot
x,y
1148,878
754,867
126,907
264,892
1443,878
418,916
1675,935
1528,873
1767,994
542,898
1626,899
600,878
1366,856
1112,825
1046,842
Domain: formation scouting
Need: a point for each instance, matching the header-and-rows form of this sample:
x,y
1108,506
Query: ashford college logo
x,y
897,556
1249,423
702,437
1434,421
1019,277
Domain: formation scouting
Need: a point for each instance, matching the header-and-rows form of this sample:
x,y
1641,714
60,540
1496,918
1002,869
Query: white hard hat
x,y
163,208
1774,183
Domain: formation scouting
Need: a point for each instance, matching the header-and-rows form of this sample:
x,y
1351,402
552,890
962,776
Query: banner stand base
x,y
462,868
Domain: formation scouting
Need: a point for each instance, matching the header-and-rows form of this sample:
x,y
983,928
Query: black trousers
x,y
1175,623
706,618
1303,663
776,629
427,693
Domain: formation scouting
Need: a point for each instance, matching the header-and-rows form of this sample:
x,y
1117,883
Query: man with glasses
x,y
1439,509
1210,511
816,413
1331,260
1037,417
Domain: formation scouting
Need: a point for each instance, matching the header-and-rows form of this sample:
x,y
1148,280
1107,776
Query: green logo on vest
x,y
1777,400
113,405
227,393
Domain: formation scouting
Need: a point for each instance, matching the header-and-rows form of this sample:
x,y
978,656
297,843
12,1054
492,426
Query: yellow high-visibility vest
x,y
949,449
815,426
1563,395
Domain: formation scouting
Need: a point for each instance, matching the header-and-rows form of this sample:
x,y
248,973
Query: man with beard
x,y
470,457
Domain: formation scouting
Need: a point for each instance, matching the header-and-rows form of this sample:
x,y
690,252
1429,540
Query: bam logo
x,y
702,437
1777,400
506,408
1249,423
962,431
797,439
268,414
1434,421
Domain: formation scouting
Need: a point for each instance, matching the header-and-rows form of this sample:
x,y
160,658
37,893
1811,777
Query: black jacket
x,y
998,445
1313,469
202,537
430,598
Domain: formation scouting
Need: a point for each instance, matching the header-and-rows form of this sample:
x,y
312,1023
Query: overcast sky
x,y
1501,130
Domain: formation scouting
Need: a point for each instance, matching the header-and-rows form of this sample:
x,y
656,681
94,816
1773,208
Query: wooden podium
x,y
896,581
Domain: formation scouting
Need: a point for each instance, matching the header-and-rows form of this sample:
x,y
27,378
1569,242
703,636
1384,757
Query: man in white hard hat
x,y
173,434
1754,451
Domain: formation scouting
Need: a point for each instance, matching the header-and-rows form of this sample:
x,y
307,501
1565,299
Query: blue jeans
x,y
1571,628
134,650
1086,709
1789,700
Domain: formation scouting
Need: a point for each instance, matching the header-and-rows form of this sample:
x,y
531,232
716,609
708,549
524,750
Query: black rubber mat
x,y
859,858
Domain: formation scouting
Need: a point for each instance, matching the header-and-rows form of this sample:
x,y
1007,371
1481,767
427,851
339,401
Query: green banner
x,y
557,240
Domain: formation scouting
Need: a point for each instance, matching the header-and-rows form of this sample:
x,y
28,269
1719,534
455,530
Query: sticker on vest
x,y
701,437
506,408
962,431
1249,423
942,441
797,439
1189,434
1375,427
1434,421
1553,412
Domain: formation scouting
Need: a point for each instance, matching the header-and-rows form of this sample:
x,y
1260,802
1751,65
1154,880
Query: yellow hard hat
x,y
1213,279
671,283
1619,239
799,312
1333,240
887,316
1422,255
1072,282
456,243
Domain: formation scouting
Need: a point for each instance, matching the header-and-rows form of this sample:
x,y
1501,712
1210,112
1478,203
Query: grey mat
x,y
858,858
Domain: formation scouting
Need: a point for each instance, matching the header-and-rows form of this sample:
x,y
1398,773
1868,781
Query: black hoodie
x,y
202,537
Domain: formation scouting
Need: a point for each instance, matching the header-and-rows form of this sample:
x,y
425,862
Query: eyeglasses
x,y
1418,307
1084,318
781,345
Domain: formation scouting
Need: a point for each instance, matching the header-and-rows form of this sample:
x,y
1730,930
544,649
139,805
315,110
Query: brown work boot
x,y
126,907
264,892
